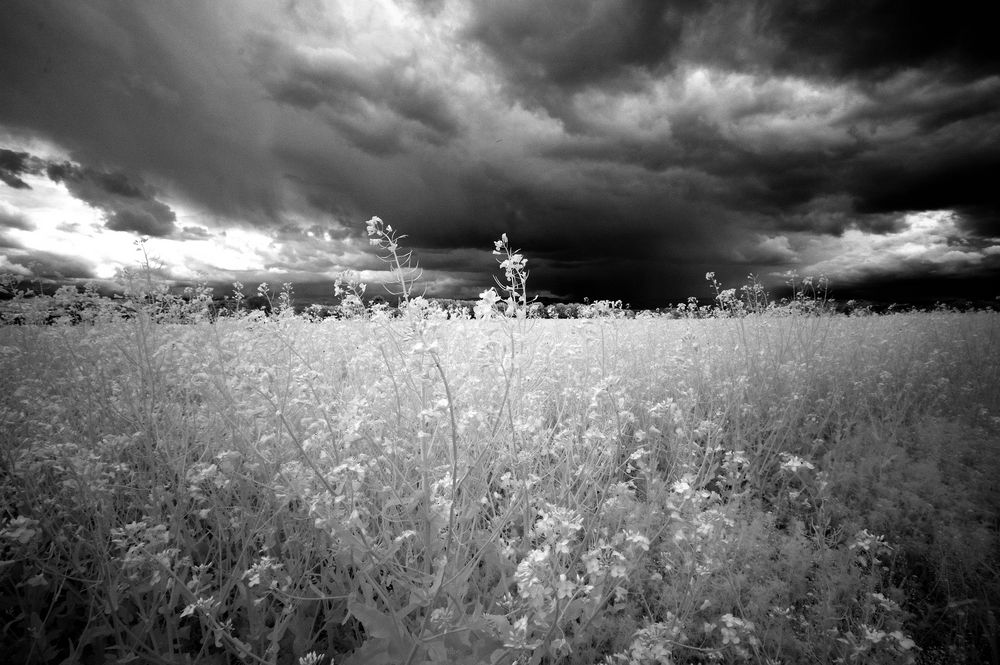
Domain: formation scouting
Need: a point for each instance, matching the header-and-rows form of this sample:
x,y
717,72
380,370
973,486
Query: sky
x,y
627,147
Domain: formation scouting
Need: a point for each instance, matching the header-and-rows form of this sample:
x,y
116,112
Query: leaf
x,y
377,624
372,652
437,652
498,622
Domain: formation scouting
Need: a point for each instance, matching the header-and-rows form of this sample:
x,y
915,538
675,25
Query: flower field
x,y
254,489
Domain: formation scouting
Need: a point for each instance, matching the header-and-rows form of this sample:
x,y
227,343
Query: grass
x,y
752,488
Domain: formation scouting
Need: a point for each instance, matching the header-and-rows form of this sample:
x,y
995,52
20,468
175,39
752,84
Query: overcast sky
x,y
627,146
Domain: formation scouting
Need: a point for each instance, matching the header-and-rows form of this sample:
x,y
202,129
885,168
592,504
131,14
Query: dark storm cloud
x,y
157,89
967,184
947,161
568,44
876,38
13,165
864,40
549,54
128,204
628,146
922,145
352,95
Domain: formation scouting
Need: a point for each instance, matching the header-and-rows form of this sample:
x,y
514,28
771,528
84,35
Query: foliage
x,y
763,483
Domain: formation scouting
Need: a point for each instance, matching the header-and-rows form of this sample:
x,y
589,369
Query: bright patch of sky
x,y
929,239
62,224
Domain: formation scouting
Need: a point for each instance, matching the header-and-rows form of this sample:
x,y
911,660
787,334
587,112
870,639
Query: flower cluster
x,y
515,277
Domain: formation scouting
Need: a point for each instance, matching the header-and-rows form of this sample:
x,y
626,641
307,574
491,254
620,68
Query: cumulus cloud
x,y
927,243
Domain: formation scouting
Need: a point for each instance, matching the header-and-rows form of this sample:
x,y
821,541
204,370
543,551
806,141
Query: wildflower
x,y
735,629
637,539
312,658
529,586
487,306
442,616
682,486
885,603
905,643
205,605
733,623
558,524
793,463
37,580
267,568
565,588
652,643
517,637
873,635
22,529
867,541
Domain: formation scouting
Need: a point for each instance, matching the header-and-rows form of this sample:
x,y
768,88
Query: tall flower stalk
x,y
514,285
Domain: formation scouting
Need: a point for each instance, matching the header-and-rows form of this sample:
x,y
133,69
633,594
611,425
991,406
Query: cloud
x,y
884,36
128,204
46,265
929,243
157,90
927,143
15,164
12,218
628,146
194,233
569,45
769,251
379,108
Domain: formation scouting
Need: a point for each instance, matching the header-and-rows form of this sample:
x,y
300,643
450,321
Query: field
x,y
759,489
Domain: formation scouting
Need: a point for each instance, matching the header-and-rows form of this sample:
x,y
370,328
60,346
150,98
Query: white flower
x,y
312,658
565,587
638,539
793,463
905,643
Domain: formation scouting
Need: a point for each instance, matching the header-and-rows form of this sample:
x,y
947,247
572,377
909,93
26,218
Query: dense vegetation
x,y
764,485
